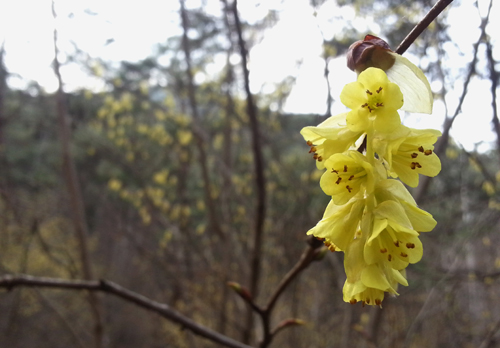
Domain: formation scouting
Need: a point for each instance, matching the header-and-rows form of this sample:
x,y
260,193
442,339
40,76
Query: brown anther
x,y
338,180
383,250
370,93
414,155
331,248
312,149
396,243
315,156
353,301
345,168
428,152
370,109
367,301
389,257
380,104
319,238
421,149
348,188
363,303
378,302
380,89
309,143
404,255
335,171
319,158
351,177
415,165
410,245
364,105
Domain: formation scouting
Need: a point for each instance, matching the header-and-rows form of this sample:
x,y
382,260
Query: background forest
x,y
175,174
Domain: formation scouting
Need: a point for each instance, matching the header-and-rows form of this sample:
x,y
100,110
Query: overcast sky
x,y
26,28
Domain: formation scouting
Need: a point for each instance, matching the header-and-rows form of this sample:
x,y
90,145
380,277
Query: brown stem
x,y
9,282
214,223
422,25
259,172
448,122
74,191
305,260
494,84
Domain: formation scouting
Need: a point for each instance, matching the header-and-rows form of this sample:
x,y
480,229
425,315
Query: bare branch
x,y
9,282
77,207
494,84
448,122
260,180
422,25
214,223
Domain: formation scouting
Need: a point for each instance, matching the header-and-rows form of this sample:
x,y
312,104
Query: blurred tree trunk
x,y
75,195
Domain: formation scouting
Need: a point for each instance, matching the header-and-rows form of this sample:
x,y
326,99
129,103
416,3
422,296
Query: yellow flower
x,y
368,283
372,99
329,137
375,52
412,155
346,174
340,223
393,237
421,221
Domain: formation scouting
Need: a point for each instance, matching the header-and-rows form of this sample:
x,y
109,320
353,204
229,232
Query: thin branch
x,y
260,180
494,76
74,190
307,257
214,223
448,122
9,282
490,335
422,25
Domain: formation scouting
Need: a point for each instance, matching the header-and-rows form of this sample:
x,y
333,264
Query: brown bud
x,y
370,52
240,290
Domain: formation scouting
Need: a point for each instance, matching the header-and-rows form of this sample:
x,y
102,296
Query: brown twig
x,y
448,122
214,223
422,25
74,191
9,282
490,335
494,84
307,257
310,254
260,180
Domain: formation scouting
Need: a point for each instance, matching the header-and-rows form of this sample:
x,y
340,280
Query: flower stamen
x,y
415,165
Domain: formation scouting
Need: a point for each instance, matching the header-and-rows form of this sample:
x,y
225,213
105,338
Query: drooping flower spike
x,y
372,217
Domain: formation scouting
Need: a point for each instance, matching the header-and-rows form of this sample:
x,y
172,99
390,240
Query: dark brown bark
x,y
74,192
260,181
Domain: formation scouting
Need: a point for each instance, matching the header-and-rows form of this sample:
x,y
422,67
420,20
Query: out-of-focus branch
x,y
448,123
9,282
74,191
310,254
260,180
422,25
490,335
214,223
494,84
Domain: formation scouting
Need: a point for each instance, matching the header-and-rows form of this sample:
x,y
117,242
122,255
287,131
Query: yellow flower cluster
x,y
372,217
